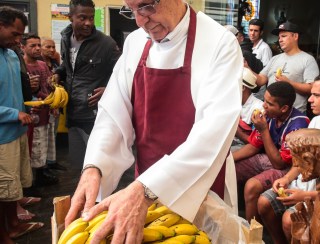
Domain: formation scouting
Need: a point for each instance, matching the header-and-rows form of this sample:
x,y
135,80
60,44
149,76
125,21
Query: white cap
x,y
248,78
231,28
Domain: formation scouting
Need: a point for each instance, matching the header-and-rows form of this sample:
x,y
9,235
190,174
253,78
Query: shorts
x,y
39,146
260,168
277,205
15,169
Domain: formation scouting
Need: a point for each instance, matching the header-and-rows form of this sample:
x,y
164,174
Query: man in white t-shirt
x,y
260,48
293,65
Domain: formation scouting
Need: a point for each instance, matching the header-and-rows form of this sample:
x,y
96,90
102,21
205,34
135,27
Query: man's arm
x,y
301,88
272,152
245,152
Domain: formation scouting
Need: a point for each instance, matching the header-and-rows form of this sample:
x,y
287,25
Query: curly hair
x,y
8,15
85,3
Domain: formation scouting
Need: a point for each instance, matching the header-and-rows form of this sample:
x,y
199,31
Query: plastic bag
x,y
222,225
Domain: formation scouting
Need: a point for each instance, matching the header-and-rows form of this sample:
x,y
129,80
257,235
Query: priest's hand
x,y
126,216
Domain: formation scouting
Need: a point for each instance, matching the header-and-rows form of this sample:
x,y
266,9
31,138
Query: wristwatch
x,y
149,194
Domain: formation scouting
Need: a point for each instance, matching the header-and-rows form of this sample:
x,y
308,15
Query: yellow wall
x,y
44,11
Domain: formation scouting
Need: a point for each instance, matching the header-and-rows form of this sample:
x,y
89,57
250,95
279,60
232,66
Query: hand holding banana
x,y
167,228
56,99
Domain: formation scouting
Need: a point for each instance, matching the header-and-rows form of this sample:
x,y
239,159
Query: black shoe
x,y
32,191
56,166
45,178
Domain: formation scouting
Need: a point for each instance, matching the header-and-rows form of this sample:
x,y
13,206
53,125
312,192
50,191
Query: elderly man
x,y
293,65
15,170
167,94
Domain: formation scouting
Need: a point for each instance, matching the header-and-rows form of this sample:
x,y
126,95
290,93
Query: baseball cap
x,y
287,26
248,78
231,28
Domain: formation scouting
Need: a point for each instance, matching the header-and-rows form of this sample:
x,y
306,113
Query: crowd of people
x,y
166,96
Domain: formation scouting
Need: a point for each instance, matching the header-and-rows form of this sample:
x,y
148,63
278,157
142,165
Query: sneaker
x,y
45,178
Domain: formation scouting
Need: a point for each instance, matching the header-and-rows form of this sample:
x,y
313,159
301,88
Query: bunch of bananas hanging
x,y
58,98
161,226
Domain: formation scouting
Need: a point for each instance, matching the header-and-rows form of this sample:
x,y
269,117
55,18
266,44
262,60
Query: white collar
x,y
258,45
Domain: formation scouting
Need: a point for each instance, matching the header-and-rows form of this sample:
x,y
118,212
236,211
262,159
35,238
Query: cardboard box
x,y
61,206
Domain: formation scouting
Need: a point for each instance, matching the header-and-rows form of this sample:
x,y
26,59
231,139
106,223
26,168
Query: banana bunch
x,y
57,99
162,225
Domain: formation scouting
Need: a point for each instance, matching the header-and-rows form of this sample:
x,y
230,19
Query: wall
x,y
44,13
305,13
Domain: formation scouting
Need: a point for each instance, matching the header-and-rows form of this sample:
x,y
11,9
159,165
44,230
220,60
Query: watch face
x,y
149,194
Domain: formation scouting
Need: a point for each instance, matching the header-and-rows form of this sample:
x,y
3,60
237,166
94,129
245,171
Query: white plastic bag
x,y
219,221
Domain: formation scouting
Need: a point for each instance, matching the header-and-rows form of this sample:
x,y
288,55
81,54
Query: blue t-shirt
x,y
11,98
295,121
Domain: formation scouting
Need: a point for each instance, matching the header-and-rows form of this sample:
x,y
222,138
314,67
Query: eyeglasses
x,y
144,11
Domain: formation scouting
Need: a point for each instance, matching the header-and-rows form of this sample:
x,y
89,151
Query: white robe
x,y
180,180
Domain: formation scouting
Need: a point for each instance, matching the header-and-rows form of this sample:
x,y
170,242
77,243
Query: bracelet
x,y
88,166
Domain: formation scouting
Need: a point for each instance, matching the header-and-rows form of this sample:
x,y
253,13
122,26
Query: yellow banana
x,y
66,98
202,240
96,220
71,230
151,216
151,235
63,97
163,210
184,229
204,234
57,98
166,220
165,231
79,238
49,99
94,228
279,72
183,221
153,206
186,239
281,192
169,241
35,103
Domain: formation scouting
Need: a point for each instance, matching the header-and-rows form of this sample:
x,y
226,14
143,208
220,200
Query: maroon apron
x,y
163,110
